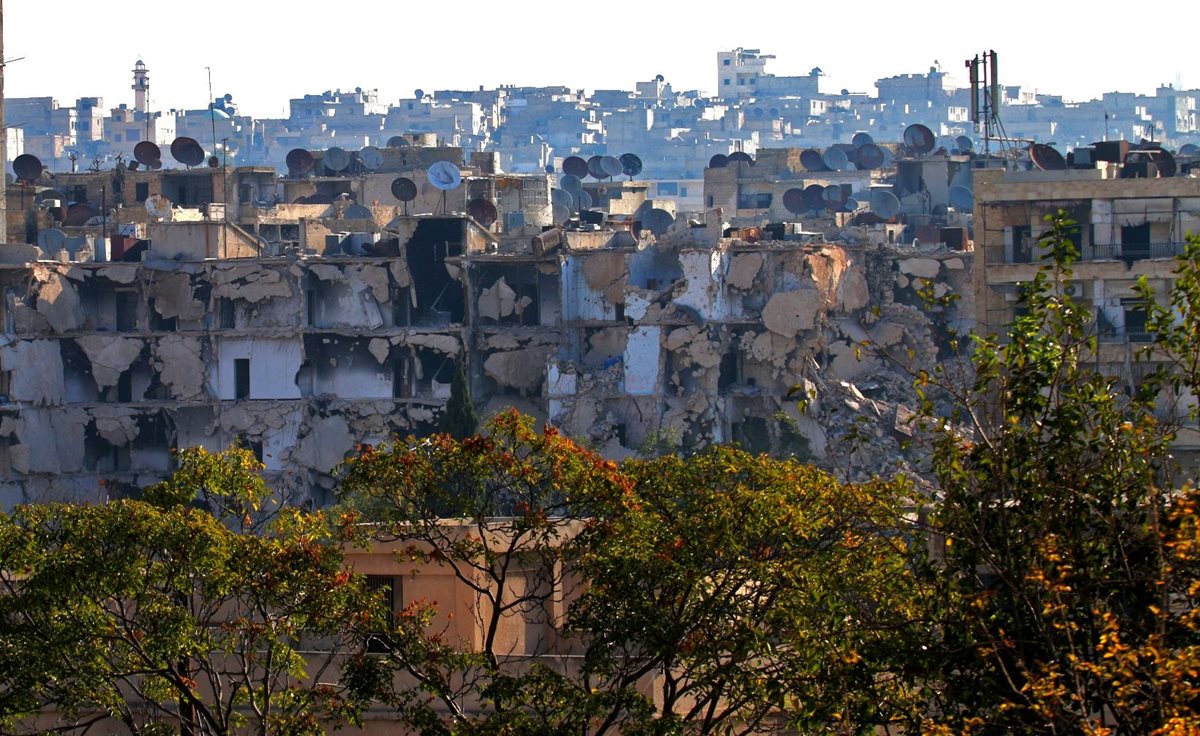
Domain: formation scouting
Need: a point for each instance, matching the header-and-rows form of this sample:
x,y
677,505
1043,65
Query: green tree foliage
x,y
460,420
744,592
158,614
755,594
1070,561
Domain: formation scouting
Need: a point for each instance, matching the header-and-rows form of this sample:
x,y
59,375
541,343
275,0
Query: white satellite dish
x,y
444,175
158,206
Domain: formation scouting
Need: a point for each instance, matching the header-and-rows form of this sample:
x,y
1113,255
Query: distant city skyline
x,y
263,56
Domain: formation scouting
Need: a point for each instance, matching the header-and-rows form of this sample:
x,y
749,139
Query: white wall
x,y
273,367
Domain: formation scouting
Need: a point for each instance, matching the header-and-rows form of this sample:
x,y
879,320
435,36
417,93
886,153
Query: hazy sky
x,y
265,52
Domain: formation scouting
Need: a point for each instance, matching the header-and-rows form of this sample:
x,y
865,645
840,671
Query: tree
x,y
1070,574
460,420
745,592
755,594
158,614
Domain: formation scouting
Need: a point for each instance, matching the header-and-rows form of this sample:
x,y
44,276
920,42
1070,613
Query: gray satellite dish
x,y
861,139
963,178
336,159
657,221
444,175
158,206
358,212
27,167
399,141
631,164
837,160
964,144
371,157
870,156
570,183
560,214
889,158
561,197
584,200
962,199
884,203
611,166
594,168
1189,149
52,241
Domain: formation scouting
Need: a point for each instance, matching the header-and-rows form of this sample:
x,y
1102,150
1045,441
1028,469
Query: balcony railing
x,y
1128,252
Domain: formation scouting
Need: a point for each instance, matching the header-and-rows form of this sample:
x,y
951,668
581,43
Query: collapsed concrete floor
x,y
636,345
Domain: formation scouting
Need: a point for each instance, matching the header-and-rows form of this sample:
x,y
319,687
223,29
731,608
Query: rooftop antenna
x,y
985,101
212,108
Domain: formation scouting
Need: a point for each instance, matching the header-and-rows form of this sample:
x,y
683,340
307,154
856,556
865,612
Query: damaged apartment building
x,y
305,315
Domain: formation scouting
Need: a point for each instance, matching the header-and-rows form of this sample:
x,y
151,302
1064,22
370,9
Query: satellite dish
x,y
584,200
444,175
228,97
358,212
156,166
918,138
835,159
889,159
419,93
147,152
793,200
214,162
660,78
963,178
862,139
631,164
594,169
371,157
1189,149
482,211
187,151
134,165
884,204
741,157
719,161
299,162
611,166
561,215
1045,158
964,144
962,198
1162,160
158,206
563,198
570,183
835,196
812,160
404,189
27,167
870,156
78,214
657,221
52,241
336,159
575,166
814,197
49,194
399,141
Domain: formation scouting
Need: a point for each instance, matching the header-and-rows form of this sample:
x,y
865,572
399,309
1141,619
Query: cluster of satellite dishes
x,y
569,199
334,161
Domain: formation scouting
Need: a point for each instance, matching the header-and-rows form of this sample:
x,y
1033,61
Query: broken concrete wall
x,y
642,359
36,371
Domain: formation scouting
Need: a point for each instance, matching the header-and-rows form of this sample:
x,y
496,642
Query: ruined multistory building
x,y
306,315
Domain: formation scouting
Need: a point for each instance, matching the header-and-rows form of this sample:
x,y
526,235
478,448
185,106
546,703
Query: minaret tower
x,y
141,87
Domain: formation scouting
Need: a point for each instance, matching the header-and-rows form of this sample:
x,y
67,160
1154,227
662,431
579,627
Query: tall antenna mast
x,y
212,109
985,101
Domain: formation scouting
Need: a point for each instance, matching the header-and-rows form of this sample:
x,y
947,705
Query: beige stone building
x,y
1127,228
